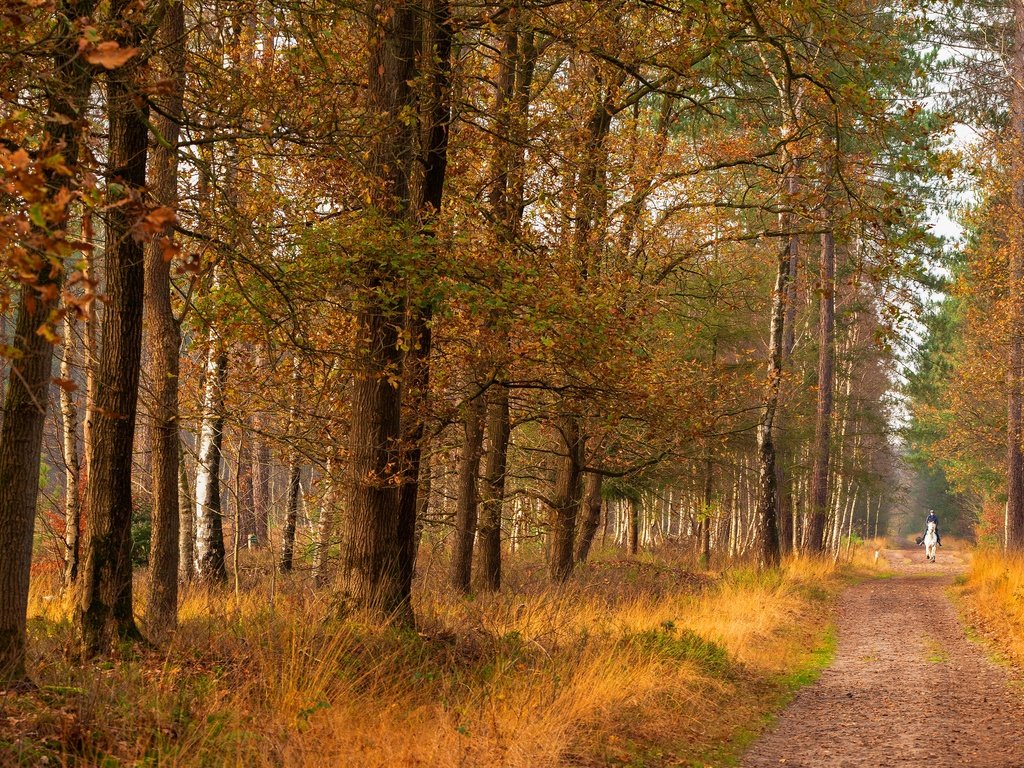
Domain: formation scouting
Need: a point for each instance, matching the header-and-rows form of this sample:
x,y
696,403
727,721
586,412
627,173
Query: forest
x,y
512,383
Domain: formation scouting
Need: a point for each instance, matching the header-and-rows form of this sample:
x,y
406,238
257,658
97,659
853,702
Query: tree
x,y
210,553
26,398
163,336
373,554
104,613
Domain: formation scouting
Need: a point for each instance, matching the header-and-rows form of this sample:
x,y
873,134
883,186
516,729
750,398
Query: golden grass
x,y
634,658
994,592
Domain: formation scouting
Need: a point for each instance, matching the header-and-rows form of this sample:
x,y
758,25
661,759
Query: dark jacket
x,y
932,518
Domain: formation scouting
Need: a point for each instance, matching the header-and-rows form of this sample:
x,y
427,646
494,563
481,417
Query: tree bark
x,y
291,514
69,422
704,527
374,560
210,554
414,494
633,526
511,110
186,524
467,499
294,473
707,502
245,514
493,487
261,491
163,336
566,500
766,521
826,376
104,612
592,516
25,402
324,528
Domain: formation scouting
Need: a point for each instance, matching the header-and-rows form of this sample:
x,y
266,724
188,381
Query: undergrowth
x,y
992,595
638,662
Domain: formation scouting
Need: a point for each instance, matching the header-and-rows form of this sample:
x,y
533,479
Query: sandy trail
x,y
907,687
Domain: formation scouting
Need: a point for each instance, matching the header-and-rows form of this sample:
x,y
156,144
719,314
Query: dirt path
x,y
907,687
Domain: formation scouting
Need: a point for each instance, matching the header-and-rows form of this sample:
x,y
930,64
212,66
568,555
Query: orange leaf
x,y
66,384
110,55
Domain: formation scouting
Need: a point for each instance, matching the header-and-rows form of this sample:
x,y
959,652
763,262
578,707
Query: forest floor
x,y
642,661
907,686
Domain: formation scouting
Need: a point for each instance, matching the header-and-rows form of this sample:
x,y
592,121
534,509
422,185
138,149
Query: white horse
x,y
931,538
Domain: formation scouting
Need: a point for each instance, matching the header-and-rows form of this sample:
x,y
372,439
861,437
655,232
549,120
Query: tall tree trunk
x,y
69,422
766,522
633,526
467,499
291,513
246,512
325,528
591,517
261,491
294,472
1015,362
90,354
493,487
826,376
704,526
567,496
104,611
25,403
414,495
707,502
163,336
186,524
511,108
849,527
374,560
210,553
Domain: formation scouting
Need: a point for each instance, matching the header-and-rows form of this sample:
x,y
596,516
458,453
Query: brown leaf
x,y
66,384
169,249
159,219
110,55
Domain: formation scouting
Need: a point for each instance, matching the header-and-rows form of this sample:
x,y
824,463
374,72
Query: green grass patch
x,y
935,653
812,665
683,645
779,694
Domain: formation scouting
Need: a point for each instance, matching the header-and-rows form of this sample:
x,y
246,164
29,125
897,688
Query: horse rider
x,y
933,518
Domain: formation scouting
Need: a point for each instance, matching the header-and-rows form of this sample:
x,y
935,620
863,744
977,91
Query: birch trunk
x,y
210,555
186,524
324,528
767,496
69,422
826,368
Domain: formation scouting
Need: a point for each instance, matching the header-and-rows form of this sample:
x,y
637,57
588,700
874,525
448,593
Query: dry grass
x,y
994,592
638,662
